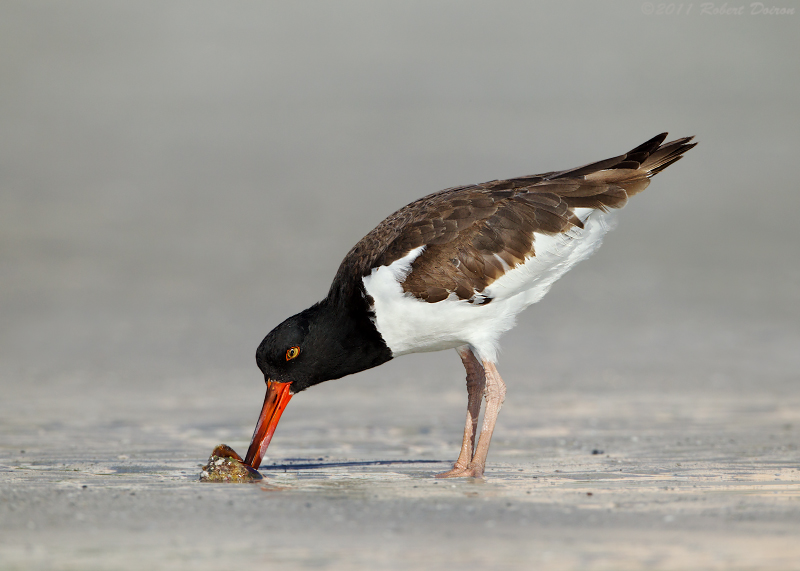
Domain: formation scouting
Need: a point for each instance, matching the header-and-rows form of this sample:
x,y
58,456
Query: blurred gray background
x,y
178,177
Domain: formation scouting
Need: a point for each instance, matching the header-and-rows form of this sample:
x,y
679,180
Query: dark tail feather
x,y
635,169
615,180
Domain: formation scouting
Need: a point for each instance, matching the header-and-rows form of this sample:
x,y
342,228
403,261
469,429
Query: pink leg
x,y
495,394
476,379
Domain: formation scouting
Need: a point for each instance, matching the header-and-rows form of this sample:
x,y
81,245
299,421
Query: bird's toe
x,y
461,471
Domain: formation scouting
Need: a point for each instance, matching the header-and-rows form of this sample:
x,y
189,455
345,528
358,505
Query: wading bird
x,y
451,271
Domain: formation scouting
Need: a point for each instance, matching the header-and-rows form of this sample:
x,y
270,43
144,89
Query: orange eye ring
x,y
292,352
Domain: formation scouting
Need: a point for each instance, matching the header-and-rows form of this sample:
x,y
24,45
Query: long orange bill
x,y
278,396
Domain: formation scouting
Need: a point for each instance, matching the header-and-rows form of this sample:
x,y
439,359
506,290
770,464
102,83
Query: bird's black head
x,y
286,354
326,341
323,342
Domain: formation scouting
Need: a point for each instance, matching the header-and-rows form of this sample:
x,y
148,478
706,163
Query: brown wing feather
x,y
473,234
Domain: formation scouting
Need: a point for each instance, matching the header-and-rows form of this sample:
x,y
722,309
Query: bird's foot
x,y
461,471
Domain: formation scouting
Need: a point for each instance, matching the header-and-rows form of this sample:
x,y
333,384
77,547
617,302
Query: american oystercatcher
x,y
451,271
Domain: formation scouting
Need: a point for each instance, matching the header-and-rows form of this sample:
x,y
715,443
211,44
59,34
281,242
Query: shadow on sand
x,y
309,464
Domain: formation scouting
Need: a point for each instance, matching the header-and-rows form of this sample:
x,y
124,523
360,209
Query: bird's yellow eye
x,y
292,352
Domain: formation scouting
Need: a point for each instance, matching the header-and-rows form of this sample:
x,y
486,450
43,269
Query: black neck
x,y
345,340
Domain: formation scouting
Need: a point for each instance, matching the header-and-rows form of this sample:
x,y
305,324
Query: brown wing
x,y
473,234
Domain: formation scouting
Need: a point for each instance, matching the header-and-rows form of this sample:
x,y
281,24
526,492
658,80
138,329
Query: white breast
x,y
410,325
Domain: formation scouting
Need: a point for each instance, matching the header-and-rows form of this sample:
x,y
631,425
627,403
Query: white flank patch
x,y
527,283
410,325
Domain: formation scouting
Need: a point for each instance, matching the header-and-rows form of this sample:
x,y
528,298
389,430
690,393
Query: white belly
x,y
410,325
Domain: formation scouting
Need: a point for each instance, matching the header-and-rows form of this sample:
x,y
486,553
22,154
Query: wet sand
x,y
579,479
